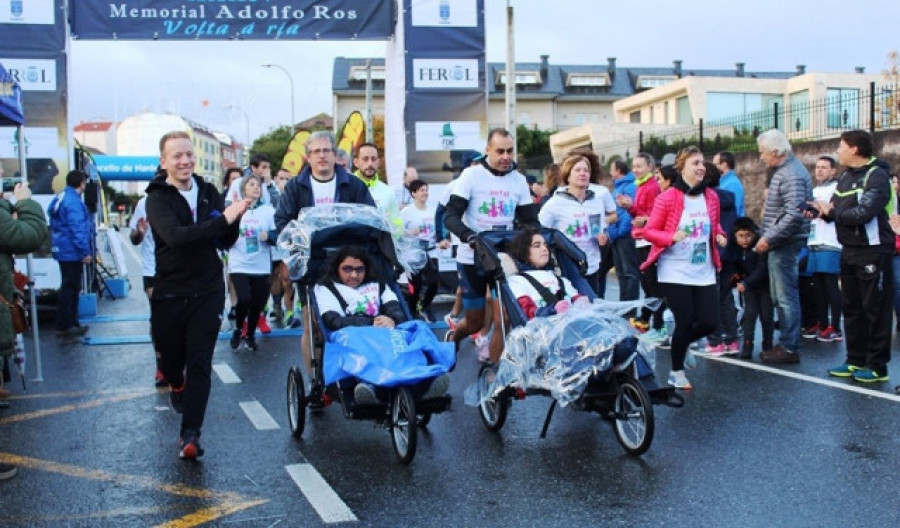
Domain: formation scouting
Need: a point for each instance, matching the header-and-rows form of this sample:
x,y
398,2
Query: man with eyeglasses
x,y
489,196
322,182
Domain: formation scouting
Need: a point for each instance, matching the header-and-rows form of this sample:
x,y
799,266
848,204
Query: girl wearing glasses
x,y
351,294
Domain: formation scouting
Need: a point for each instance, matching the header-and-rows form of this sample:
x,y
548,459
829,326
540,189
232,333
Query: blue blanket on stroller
x,y
387,357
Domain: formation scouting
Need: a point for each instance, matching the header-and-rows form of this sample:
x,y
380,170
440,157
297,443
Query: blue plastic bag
x,y
384,357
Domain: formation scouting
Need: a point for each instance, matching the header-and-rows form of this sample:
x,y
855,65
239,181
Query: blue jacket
x,y
297,194
71,226
730,182
624,185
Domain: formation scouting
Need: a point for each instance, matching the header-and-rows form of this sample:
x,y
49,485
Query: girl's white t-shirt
x,y
580,222
690,261
363,300
520,287
250,254
413,219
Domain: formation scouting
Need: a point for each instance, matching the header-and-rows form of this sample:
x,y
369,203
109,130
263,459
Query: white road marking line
x,y
259,416
803,377
320,495
225,373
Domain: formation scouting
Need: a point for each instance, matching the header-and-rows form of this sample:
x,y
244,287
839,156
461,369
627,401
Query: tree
x,y
273,144
533,147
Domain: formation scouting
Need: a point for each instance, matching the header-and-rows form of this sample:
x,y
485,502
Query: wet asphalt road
x,y
753,446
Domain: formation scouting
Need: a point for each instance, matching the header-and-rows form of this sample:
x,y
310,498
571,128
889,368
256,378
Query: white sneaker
x,y
678,380
482,345
657,336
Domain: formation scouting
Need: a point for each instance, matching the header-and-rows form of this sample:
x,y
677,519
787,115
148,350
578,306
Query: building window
x,y
666,112
586,79
799,111
654,81
842,107
522,77
634,117
683,111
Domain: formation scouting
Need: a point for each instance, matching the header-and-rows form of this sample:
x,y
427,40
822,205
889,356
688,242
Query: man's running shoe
x,y
678,380
251,344
452,322
189,446
263,325
160,380
845,370
235,340
829,335
810,332
7,471
867,375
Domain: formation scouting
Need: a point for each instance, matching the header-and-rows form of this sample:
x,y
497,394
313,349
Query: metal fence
x,y
877,108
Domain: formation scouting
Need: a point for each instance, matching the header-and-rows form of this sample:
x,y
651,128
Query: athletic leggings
x,y
252,293
696,311
827,295
425,285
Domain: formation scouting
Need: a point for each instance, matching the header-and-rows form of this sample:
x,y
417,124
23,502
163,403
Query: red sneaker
x,y
263,325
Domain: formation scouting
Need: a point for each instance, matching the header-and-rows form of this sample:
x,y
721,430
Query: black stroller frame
x,y
623,395
403,409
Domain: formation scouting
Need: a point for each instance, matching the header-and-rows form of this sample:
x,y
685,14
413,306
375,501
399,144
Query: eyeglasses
x,y
320,152
538,245
359,270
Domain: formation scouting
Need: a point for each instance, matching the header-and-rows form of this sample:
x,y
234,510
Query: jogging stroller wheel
x,y
403,424
634,423
296,402
492,410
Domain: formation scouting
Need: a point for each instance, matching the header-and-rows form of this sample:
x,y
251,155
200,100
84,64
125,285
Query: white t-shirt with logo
x,y
363,300
580,222
250,254
323,192
690,261
414,218
234,192
148,245
492,202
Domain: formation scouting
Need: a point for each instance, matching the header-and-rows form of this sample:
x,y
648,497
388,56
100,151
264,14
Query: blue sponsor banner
x,y
29,26
232,19
126,168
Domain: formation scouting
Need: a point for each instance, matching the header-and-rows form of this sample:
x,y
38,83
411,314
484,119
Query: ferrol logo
x,y
36,75
445,73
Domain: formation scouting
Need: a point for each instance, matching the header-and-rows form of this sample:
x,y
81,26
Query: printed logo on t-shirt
x,y
496,207
366,302
327,200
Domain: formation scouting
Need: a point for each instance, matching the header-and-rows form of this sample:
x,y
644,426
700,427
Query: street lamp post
x,y
246,122
291,80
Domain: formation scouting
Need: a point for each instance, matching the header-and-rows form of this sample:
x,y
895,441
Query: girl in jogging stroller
x,y
367,353
563,343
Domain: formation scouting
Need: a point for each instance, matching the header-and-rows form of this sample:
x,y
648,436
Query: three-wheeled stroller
x,y
589,359
402,408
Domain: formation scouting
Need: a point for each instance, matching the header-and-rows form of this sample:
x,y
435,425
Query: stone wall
x,y
752,172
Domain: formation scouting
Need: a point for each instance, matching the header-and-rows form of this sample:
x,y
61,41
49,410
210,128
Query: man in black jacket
x,y
859,210
189,225
322,182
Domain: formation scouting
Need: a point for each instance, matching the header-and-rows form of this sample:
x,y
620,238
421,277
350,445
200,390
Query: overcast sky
x,y
217,83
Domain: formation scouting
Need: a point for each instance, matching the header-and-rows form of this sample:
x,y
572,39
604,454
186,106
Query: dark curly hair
x,y
520,245
334,262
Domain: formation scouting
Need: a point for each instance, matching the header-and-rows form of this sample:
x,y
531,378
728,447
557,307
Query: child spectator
x,y
752,281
